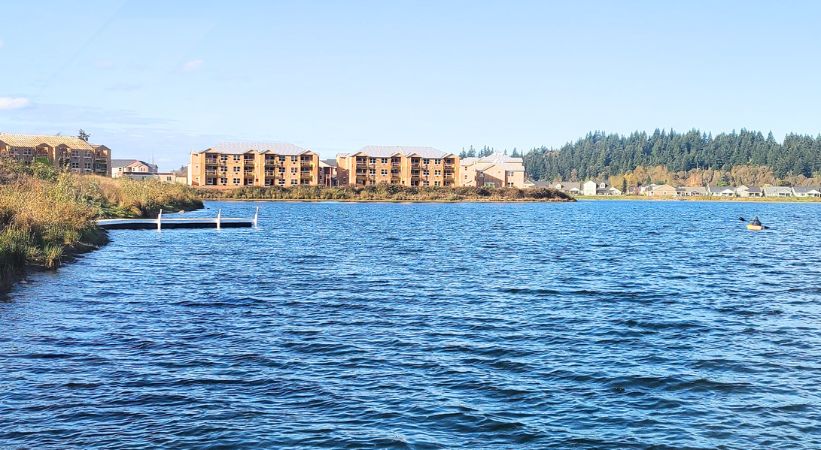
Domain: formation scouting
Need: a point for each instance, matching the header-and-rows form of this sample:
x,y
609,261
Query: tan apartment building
x,y
408,166
497,170
253,164
63,152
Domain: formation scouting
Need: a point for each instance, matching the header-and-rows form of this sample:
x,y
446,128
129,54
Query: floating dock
x,y
161,222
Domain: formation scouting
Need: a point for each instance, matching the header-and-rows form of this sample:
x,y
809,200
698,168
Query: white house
x,y
777,191
806,191
589,187
721,191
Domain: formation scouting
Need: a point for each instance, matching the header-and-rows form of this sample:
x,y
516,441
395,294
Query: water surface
x,y
587,325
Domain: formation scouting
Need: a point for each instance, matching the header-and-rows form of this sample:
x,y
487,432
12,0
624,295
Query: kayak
x,y
755,227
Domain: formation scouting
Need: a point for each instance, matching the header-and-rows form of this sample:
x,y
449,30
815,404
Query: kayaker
x,y
755,221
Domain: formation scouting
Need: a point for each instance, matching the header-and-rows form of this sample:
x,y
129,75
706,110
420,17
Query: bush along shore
x,y
46,216
387,193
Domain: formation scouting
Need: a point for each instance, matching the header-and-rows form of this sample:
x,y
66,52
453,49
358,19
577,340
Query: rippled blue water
x,y
587,325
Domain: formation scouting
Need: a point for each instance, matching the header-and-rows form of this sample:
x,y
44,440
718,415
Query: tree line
x,y
601,156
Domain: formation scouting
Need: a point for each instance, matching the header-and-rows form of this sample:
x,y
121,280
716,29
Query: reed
x,y
47,215
385,192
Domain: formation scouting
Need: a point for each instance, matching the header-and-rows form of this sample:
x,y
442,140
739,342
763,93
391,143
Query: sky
x,y
156,80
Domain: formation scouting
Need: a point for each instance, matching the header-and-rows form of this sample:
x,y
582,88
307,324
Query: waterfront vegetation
x,y
693,158
387,192
47,215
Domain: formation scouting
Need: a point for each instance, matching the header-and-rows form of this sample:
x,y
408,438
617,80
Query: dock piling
x,y
159,221
219,219
256,217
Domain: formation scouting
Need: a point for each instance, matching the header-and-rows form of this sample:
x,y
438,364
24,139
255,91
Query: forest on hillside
x,y
692,158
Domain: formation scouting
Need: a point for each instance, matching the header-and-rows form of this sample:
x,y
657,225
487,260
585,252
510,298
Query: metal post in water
x,y
256,217
219,219
159,221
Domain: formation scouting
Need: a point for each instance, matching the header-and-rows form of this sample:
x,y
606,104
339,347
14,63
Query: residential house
x,y
721,191
569,187
498,170
589,187
644,190
62,152
235,164
120,167
664,190
408,166
165,177
691,191
749,191
806,191
777,191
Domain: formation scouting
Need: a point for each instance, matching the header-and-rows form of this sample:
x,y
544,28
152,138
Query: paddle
x,y
763,227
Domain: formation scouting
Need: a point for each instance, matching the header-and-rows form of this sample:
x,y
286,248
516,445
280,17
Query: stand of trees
x,y
602,156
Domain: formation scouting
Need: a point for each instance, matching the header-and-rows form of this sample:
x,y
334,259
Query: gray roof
x,y
568,185
776,189
330,162
753,189
279,148
806,189
385,151
127,162
700,189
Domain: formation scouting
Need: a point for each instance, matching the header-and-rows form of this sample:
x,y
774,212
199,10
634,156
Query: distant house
x,y
691,191
777,191
589,187
569,187
643,190
165,177
605,189
665,190
806,191
749,191
119,167
721,191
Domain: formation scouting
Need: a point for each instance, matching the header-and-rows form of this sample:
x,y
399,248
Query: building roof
x,y
568,185
806,189
714,188
495,158
386,151
329,162
754,189
777,189
701,189
127,162
33,140
234,148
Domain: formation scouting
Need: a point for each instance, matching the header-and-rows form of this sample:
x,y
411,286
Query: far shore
x,y
701,199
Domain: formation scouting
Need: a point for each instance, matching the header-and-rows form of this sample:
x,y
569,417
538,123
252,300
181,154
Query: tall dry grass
x,y
45,214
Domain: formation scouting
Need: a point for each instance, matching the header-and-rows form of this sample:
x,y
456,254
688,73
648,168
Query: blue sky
x,y
160,79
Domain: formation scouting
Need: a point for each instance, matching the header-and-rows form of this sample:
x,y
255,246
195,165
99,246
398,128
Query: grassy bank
x,y
46,216
387,192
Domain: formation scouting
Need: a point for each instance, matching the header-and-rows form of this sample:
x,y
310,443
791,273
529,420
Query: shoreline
x,y
705,199
348,200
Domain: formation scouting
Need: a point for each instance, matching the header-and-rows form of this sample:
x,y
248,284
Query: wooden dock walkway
x,y
161,222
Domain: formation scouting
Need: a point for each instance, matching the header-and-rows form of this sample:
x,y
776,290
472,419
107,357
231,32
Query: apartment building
x,y
409,166
253,164
63,152
497,170
121,167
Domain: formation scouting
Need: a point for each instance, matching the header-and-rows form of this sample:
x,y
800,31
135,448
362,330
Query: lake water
x,y
588,325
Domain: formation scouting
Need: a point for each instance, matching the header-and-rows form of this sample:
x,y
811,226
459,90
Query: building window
x,y
294,181
281,170
384,172
293,170
223,181
281,182
281,159
384,160
294,158
437,161
436,183
236,157
437,172
425,172
236,168
425,161
372,160
236,181
372,172
425,183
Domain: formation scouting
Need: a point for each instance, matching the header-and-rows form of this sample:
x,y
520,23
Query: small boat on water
x,y
755,224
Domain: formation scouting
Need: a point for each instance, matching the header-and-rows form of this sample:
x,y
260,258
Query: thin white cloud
x,y
13,102
192,65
